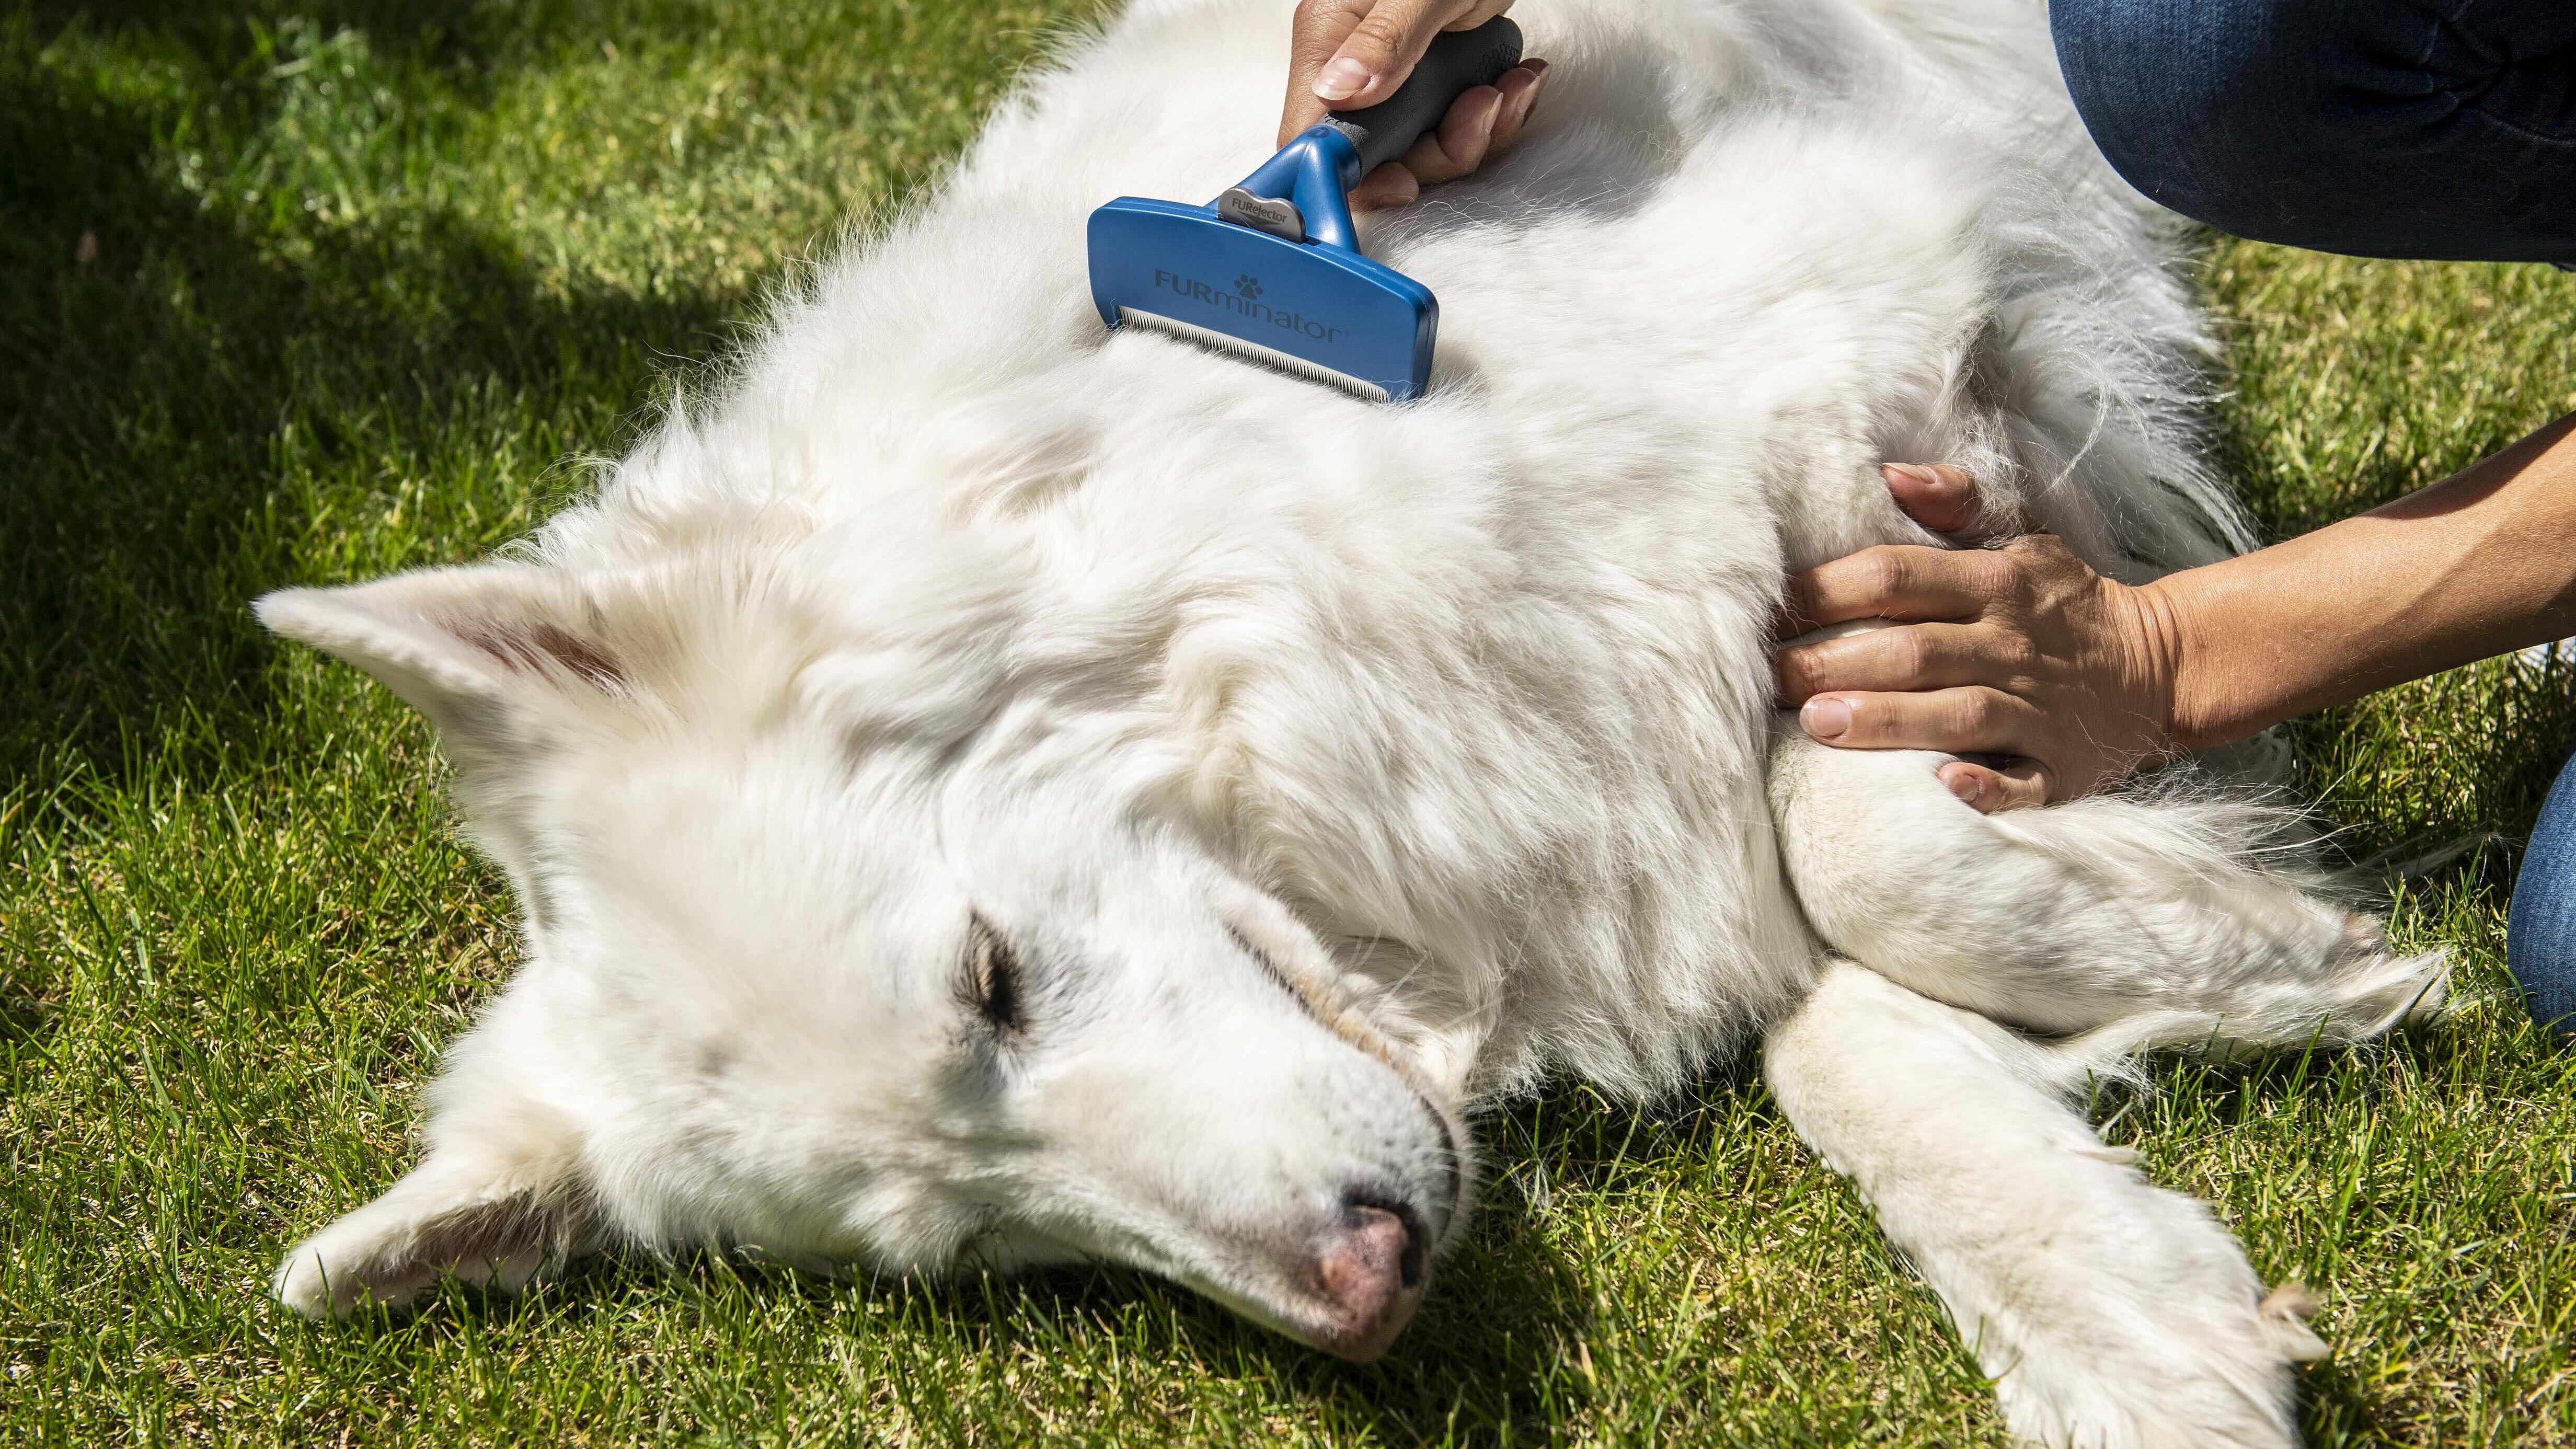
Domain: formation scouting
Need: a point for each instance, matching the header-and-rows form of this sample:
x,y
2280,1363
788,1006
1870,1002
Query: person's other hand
x,y
2020,651
1354,53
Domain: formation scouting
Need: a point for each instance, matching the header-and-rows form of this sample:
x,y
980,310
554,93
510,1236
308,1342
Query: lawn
x,y
304,292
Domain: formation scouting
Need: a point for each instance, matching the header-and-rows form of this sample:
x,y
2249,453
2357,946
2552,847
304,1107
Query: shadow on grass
x,y
469,44
185,403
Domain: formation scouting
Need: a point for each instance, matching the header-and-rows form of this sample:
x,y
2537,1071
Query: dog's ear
x,y
499,1209
482,651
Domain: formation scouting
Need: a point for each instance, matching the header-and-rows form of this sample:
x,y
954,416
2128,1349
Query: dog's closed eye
x,y
992,977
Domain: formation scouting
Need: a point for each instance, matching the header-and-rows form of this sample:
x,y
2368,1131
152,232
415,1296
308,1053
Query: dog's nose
x,y
1371,1269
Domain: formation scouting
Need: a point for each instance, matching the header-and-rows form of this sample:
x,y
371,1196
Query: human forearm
x,y
2480,563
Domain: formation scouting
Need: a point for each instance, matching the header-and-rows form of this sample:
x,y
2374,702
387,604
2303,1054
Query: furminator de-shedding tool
x,y
1271,269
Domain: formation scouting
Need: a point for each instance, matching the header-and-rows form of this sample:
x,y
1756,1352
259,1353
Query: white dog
x,y
990,791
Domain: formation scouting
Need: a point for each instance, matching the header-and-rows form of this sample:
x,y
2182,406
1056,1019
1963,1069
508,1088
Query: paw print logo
x,y
1248,284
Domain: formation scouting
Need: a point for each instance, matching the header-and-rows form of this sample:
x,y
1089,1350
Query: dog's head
x,y
845,957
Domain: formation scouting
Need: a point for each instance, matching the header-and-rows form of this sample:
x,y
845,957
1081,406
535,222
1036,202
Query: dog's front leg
x,y
2112,1314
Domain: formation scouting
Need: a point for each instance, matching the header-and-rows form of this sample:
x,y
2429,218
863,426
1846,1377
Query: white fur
x,y
1330,765
2106,1310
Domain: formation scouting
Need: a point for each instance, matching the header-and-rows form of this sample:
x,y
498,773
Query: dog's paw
x,y
2285,1312
307,1282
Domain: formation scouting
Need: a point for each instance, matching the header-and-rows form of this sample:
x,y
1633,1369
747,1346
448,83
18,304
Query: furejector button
x,y
1278,217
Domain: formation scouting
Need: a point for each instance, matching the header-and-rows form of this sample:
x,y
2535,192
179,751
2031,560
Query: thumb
x,y
2014,786
1379,50
1345,55
1938,496
1315,40
1386,42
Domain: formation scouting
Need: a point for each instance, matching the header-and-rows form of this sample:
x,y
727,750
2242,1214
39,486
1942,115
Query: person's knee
x,y
2241,114
2185,98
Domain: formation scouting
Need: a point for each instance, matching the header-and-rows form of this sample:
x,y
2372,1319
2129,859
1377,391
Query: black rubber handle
x,y
1456,61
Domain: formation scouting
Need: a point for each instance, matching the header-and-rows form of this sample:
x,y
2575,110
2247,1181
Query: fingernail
x,y
1344,77
1825,718
1914,471
1966,786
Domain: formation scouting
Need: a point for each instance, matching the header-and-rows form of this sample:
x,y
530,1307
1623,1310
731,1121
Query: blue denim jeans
x,y
2441,129
2540,935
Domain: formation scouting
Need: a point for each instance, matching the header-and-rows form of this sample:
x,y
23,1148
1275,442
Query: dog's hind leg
x,y
2111,1314
2151,922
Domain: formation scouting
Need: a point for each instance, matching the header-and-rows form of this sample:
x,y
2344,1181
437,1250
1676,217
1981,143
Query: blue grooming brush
x,y
1271,269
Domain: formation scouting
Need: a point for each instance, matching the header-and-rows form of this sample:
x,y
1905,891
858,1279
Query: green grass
x,y
362,275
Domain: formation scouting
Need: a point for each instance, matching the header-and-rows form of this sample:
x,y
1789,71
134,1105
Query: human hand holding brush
x,y
1348,54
